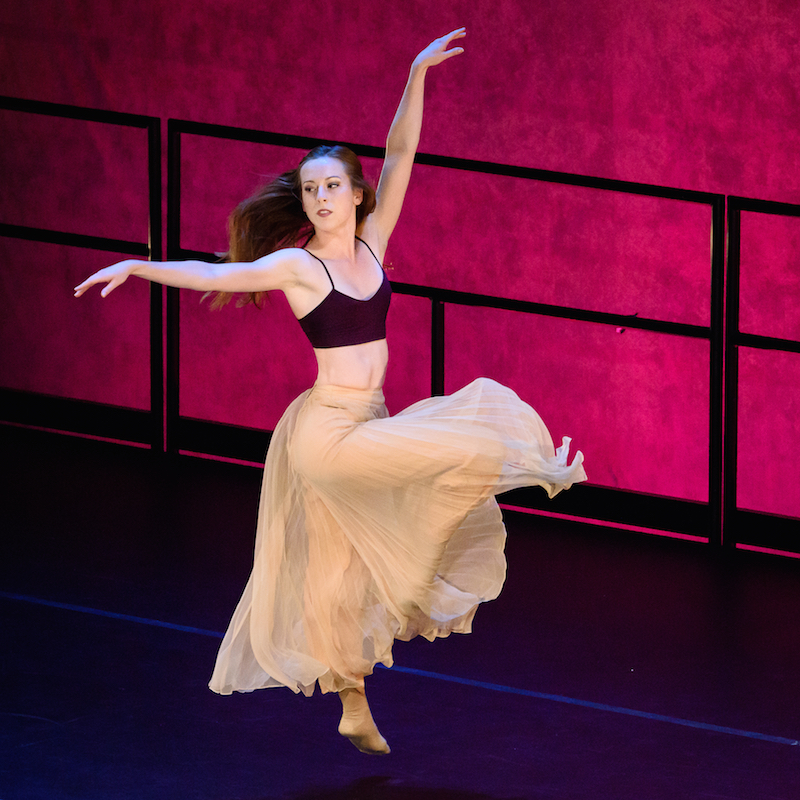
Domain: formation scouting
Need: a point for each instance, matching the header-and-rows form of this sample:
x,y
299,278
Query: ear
x,y
358,196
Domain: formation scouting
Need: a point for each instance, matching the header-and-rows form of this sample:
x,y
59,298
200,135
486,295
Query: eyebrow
x,y
324,179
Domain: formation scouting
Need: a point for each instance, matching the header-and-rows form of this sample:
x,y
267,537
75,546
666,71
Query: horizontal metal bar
x,y
75,416
267,137
592,502
525,306
771,531
763,206
219,439
766,343
197,255
450,162
548,310
74,240
570,179
638,509
76,112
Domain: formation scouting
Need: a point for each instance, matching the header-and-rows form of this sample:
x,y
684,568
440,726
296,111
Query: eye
x,y
332,185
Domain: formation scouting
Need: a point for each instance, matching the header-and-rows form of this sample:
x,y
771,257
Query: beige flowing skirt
x,y
373,528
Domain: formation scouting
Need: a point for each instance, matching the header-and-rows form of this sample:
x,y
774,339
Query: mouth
x,y
323,212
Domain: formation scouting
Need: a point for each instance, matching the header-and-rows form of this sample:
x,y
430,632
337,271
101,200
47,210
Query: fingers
x,y
436,52
456,51
444,41
91,281
458,33
114,276
81,288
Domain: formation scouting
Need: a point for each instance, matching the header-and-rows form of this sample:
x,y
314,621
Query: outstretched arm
x,y
274,271
401,144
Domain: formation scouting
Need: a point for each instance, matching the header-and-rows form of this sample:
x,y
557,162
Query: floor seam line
x,y
433,675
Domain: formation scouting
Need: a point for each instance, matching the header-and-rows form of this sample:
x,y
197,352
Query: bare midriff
x,y
359,366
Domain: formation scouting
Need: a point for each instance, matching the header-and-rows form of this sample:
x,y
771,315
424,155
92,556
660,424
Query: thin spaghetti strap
x,y
323,267
370,250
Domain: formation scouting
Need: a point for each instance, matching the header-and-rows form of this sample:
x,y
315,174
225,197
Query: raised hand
x,y
114,276
437,51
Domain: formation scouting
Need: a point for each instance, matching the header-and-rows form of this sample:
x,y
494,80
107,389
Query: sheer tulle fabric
x,y
374,528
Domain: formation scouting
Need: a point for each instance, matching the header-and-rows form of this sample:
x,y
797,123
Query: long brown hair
x,y
273,217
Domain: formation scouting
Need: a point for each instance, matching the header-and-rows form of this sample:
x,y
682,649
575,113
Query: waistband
x,y
372,397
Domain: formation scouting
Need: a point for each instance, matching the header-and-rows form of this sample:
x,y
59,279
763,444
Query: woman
x,y
370,528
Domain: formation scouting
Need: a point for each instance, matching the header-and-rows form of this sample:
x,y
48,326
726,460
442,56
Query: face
x,y
328,196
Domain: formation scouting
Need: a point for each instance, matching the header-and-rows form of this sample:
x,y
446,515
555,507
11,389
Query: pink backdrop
x,y
769,409
695,94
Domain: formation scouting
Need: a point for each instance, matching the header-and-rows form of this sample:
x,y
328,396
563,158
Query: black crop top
x,y
340,320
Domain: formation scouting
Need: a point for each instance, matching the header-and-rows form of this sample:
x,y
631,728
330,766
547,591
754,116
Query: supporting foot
x,y
357,724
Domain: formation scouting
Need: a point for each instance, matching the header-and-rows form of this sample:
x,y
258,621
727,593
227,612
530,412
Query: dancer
x,y
370,528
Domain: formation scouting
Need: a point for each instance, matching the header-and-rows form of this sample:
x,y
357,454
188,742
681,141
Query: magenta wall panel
x,y
612,252
74,176
770,276
550,243
768,477
77,177
636,402
409,333
216,174
692,94
89,349
241,366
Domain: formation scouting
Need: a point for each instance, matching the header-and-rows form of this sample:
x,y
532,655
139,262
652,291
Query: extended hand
x,y
437,51
114,276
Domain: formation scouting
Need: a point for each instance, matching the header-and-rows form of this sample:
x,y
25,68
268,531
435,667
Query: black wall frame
x,y
719,520
702,520
742,526
76,416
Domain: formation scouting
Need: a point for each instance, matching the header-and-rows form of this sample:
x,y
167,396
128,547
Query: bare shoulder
x,y
292,266
305,281
289,258
299,275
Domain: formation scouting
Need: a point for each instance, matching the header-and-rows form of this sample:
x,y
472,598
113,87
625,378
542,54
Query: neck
x,y
337,244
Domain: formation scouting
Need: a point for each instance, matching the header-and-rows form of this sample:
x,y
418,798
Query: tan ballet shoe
x,y
357,724
364,735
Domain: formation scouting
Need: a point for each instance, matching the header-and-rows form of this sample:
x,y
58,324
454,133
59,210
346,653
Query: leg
x,y
357,724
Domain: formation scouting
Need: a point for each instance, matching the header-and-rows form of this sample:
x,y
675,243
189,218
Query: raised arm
x,y
277,270
403,138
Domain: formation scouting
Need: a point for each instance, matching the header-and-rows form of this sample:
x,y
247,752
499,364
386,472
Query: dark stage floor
x,y
612,666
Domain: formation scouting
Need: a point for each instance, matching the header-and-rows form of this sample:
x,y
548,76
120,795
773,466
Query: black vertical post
x,y
732,372
173,295
437,347
155,244
717,356
173,370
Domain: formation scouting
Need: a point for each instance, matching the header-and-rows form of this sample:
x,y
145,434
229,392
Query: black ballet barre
x,y
741,525
173,432
84,241
178,127
87,418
